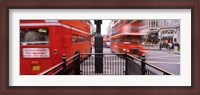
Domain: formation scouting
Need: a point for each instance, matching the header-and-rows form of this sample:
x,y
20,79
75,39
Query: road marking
x,y
161,57
163,52
164,58
161,62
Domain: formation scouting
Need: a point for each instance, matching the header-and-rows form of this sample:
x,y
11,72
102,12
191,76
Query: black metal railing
x,y
113,64
138,66
66,67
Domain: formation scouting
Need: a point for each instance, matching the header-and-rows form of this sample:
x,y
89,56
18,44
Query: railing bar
x,y
106,59
106,63
51,68
71,57
110,58
157,68
84,66
123,66
89,63
115,65
90,68
102,53
90,59
119,65
111,65
93,62
132,56
57,71
87,66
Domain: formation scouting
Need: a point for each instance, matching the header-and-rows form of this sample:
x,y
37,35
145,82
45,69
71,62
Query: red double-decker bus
x,y
43,42
127,36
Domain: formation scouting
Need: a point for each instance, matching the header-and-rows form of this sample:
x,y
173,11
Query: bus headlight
x,y
126,50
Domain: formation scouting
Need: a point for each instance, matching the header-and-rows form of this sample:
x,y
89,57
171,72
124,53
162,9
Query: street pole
x,y
98,47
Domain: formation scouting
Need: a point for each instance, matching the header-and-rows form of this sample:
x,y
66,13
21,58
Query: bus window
x,y
74,38
87,39
34,36
132,39
81,39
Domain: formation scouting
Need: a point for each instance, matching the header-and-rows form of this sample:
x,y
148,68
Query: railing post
x,y
143,65
77,63
64,63
126,63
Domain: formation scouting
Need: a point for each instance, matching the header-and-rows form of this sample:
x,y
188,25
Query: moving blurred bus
x,y
127,36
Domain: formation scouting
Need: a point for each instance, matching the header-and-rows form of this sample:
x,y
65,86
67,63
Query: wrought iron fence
x,y
112,64
138,66
66,67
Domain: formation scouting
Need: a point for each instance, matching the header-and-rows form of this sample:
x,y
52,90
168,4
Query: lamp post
x,y
98,47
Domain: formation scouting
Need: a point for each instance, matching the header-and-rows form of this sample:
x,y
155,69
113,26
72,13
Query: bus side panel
x,y
56,48
115,47
26,64
67,42
77,24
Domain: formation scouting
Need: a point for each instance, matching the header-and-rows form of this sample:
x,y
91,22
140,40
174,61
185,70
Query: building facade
x,y
167,30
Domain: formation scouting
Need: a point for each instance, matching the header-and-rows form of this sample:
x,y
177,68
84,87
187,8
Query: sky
x,y
104,25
